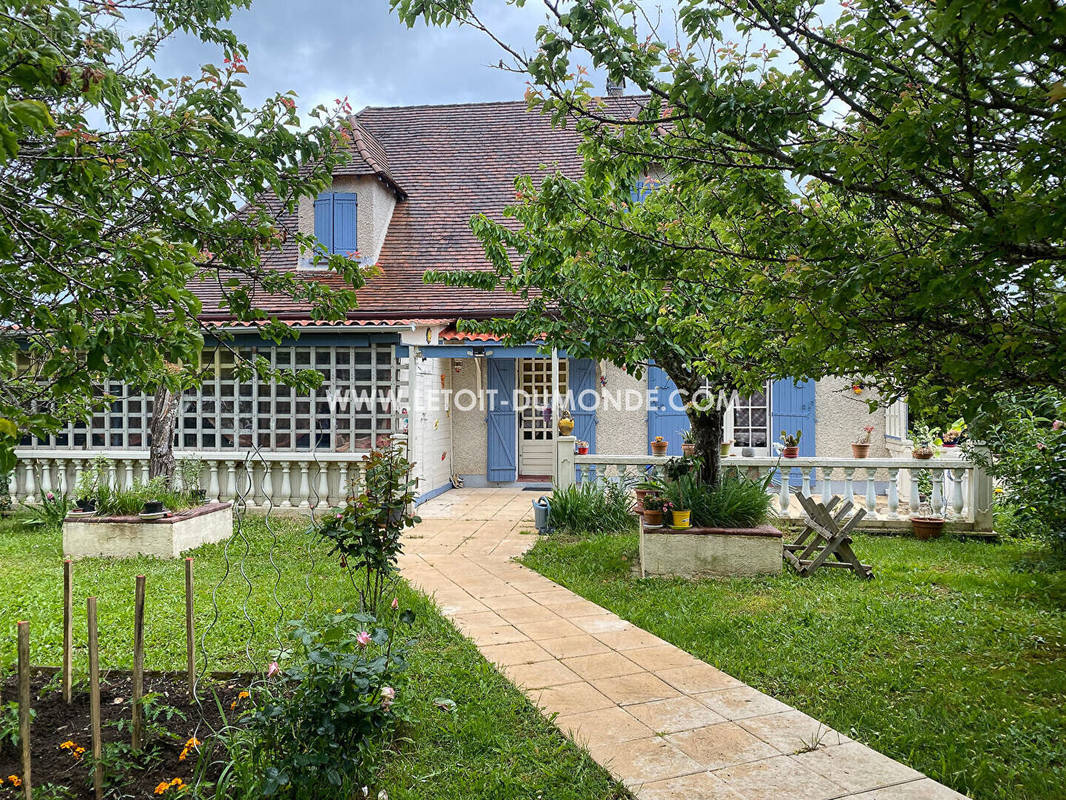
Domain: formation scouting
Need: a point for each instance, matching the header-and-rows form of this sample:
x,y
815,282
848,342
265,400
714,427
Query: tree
x,y
885,186
119,188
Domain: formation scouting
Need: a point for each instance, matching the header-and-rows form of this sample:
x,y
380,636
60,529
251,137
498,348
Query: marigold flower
x,y
67,745
15,780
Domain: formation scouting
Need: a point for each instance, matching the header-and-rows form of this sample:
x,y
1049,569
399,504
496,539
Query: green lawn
x,y
495,744
953,660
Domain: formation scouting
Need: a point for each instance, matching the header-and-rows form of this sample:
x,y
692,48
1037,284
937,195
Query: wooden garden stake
x,y
138,664
24,706
94,698
190,641
68,630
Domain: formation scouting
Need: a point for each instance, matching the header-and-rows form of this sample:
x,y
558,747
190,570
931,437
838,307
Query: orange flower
x,y
15,780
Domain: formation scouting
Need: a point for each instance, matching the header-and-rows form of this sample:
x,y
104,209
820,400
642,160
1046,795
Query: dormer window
x,y
336,223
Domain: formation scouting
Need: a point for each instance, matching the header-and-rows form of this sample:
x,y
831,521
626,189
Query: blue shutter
x,y
666,412
793,410
345,219
583,387
324,220
502,421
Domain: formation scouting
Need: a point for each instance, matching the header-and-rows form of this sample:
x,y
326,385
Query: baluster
x,y
849,488
77,472
782,493
286,485
60,479
13,482
827,484
231,480
871,493
893,493
31,482
916,499
46,477
266,487
342,483
806,482
127,464
323,485
304,488
579,473
145,464
937,501
212,481
112,474
957,474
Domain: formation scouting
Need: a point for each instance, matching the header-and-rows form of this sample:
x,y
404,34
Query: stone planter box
x,y
710,552
120,537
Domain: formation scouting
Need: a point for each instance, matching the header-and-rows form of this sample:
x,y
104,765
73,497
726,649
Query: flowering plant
x,y
653,502
864,434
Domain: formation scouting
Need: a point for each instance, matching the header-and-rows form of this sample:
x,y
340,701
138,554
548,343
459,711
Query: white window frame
x,y
730,423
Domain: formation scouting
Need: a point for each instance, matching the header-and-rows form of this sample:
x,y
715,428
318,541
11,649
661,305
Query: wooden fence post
x,y
94,698
24,706
138,664
68,630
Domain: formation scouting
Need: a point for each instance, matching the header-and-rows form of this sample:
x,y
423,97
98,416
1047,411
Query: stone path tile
x,y
670,726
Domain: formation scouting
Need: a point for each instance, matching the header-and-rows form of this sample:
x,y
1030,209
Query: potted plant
x,y
790,444
85,492
925,441
566,424
678,503
677,466
860,448
645,489
653,511
152,509
582,447
953,435
658,446
189,470
688,443
724,448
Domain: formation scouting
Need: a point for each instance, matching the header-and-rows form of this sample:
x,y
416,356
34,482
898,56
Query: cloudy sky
x,y
324,49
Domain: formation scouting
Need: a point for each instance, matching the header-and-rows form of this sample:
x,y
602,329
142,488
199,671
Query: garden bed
x,y
59,730
167,537
710,552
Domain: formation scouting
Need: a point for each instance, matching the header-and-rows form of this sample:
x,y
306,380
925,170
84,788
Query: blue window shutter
x,y
324,220
502,421
345,223
793,410
583,387
666,412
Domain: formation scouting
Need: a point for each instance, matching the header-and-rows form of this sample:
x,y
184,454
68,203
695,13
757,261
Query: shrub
x,y
322,719
51,511
1026,451
592,507
366,531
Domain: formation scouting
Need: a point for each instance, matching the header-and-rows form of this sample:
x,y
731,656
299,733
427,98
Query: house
x,y
404,202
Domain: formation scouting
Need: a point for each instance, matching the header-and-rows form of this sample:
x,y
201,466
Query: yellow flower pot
x,y
566,427
681,519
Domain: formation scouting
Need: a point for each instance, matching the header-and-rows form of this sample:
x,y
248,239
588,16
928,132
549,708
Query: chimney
x,y
615,86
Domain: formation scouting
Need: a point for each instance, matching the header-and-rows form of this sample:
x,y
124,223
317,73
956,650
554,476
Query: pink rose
x,y
388,694
395,603
273,669
363,638
1056,425
1040,446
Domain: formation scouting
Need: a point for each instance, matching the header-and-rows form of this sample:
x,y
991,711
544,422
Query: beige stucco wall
x,y
469,431
376,204
622,430
840,414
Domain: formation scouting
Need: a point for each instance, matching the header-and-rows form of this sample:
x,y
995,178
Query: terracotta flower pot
x,y
681,519
688,449
790,452
926,528
922,452
653,519
860,449
659,448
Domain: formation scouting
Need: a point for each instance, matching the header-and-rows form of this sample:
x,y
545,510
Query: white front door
x,y
536,437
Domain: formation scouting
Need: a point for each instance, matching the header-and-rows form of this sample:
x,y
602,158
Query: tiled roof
x,y
344,323
452,162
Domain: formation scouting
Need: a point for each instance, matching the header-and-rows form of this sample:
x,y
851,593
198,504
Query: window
x,y
336,223
751,420
352,410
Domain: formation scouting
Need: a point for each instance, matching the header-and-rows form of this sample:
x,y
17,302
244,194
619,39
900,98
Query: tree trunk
x,y
707,427
164,414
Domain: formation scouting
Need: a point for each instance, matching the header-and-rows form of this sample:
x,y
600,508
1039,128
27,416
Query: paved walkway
x,y
670,726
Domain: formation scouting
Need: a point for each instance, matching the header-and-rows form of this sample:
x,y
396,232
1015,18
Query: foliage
x,y
123,189
675,467
653,502
1024,447
863,436
126,502
591,507
9,725
188,471
50,511
366,531
791,440
736,502
323,720
884,181
957,673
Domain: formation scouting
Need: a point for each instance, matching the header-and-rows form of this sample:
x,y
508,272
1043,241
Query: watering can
x,y
541,510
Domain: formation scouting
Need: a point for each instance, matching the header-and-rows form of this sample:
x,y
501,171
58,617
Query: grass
x,y
494,744
952,660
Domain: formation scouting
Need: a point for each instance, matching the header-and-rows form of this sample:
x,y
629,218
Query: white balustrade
x,y
954,488
262,479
